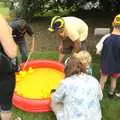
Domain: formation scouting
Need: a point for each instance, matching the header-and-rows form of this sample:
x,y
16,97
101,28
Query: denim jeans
x,y
23,49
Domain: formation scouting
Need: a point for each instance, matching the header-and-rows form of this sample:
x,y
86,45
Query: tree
x,y
29,8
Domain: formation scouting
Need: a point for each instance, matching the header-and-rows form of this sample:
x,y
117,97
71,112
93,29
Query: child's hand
x,y
51,92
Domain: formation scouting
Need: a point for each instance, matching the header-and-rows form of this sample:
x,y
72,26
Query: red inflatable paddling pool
x,y
36,105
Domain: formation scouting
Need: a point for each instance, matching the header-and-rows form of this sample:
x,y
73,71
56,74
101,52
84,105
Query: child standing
x,y
79,93
110,58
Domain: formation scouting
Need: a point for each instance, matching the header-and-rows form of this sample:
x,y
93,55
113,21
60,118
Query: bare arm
x,y
59,94
6,38
60,48
76,46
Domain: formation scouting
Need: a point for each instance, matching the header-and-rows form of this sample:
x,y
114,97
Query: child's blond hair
x,y
84,56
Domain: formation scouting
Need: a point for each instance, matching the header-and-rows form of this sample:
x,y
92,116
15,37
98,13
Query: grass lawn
x,y
4,10
110,107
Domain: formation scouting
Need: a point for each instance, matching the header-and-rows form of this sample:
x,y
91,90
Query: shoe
x,y
111,94
117,95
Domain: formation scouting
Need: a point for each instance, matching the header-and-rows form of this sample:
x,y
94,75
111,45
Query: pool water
x,y
37,83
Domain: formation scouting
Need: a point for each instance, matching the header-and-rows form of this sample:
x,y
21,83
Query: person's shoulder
x,y
115,39
90,76
92,79
14,23
112,38
67,80
105,36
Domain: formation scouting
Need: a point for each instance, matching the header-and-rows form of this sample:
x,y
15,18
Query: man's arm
x,y
29,30
76,46
60,47
75,37
6,38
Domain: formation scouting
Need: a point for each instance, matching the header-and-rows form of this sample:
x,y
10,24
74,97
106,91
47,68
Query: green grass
x,y
110,107
45,55
34,116
4,11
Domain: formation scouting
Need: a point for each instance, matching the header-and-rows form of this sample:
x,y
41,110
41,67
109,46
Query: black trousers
x,y
7,85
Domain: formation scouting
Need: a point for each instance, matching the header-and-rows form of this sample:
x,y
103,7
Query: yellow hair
x,y
116,21
84,55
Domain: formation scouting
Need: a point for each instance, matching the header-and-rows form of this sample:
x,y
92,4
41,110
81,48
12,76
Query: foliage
x,y
29,8
110,5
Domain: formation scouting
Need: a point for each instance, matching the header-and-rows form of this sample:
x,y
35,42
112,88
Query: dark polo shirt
x,y
18,35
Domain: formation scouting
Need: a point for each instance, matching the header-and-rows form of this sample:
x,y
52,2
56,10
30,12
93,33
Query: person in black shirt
x,y
8,50
19,29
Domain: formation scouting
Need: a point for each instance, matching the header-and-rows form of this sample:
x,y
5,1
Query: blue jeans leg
x,y
23,50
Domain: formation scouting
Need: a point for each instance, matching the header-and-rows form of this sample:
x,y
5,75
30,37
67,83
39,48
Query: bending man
x,y
73,32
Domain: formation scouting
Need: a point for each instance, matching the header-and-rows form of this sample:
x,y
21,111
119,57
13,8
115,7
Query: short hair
x,y
73,66
84,55
116,21
21,22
